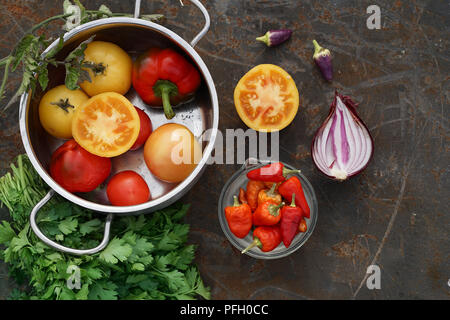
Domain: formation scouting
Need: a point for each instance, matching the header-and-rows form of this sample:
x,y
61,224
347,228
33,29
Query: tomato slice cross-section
x,y
266,98
106,125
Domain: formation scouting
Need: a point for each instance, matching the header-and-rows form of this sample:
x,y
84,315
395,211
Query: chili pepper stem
x,y
255,243
287,172
264,38
317,47
274,210
272,192
293,200
165,89
236,201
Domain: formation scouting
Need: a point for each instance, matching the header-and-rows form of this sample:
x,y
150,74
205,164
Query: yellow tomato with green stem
x,y
56,110
109,68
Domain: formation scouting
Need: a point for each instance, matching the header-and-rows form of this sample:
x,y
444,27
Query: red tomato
x,y
127,188
144,132
77,170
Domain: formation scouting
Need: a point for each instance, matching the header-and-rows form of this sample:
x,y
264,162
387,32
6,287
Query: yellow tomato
x,y
266,98
106,125
56,110
172,152
110,71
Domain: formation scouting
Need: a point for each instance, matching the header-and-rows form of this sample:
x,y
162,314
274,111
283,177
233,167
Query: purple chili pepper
x,y
322,58
275,37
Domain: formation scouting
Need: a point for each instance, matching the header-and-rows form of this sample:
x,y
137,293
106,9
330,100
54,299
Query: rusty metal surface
x,y
394,215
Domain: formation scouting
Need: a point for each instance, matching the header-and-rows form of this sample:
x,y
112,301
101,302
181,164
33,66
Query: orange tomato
x,y
172,152
266,98
106,125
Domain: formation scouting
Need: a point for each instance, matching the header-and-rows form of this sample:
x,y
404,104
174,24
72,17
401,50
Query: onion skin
x,y
351,106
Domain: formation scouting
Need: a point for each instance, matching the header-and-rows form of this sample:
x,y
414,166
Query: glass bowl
x,y
239,180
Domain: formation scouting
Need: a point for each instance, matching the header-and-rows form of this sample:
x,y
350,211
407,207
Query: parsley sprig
x,y
28,51
147,257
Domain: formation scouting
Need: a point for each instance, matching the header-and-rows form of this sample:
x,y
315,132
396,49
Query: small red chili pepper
x,y
290,220
164,77
253,189
239,218
273,172
242,196
271,194
267,213
302,227
291,186
266,238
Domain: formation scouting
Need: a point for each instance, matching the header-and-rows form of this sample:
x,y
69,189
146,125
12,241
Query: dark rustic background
x,y
394,215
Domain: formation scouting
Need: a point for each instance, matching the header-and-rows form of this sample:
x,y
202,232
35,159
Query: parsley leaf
x,y
116,250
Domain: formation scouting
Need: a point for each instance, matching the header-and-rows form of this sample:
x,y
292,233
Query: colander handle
x,y
59,247
200,35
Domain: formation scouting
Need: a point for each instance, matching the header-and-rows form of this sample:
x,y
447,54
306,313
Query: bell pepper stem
x,y
165,89
255,243
168,111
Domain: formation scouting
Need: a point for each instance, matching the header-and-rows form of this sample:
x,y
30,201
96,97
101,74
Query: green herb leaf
x,y
6,232
90,226
51,53
68,225
21,50
117,250
106,10
103,290
43,76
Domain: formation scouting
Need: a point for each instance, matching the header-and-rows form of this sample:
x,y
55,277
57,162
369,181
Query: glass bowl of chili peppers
x,y
267,210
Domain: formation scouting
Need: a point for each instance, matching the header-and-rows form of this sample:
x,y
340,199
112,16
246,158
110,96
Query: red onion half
x,y
342,147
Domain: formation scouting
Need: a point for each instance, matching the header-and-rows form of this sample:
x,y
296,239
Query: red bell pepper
x,y
291,217
164,77
239,218
291,186
267,213
253,189
273,172
266,238
271,194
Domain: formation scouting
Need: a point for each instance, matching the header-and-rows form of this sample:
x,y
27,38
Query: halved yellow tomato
x,y
266,98
106,125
